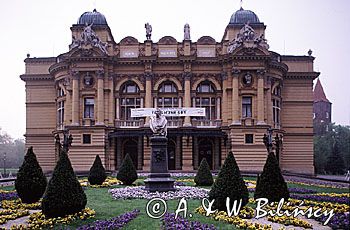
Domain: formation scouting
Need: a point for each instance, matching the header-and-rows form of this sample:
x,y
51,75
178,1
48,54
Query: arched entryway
x,y
171,154
129,146
205,150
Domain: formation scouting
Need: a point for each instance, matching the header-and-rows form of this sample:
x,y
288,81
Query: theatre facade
x,y
244,87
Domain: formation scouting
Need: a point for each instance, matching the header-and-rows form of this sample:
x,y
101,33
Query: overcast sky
x,y
42,28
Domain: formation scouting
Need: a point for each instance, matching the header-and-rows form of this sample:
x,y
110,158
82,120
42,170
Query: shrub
x,y
97,174
31,181
64,194
203,176
127,172
335,162
271,184
229,183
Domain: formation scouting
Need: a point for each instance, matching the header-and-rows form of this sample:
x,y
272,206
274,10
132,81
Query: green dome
x,y
242,16
92,17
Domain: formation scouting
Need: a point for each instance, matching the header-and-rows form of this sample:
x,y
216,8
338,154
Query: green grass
x,y
106,207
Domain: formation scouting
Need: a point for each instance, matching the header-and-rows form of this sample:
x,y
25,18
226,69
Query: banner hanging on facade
x,y
169,112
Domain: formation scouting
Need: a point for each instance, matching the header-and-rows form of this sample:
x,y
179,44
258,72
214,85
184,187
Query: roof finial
x,y
241,8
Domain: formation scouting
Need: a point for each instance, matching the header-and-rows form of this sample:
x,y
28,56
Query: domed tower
x,y
240,18
92,28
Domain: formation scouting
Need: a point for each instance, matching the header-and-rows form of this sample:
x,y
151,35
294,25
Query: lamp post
x,y
4,163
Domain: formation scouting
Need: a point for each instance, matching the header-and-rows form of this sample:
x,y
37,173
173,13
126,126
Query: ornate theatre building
x,y
244,87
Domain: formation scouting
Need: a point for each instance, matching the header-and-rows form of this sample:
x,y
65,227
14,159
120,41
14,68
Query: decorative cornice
x,y
36,77
300,75
100,74
235,72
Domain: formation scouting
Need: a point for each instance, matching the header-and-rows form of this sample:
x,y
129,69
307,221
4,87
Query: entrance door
x,y
130,147
205,150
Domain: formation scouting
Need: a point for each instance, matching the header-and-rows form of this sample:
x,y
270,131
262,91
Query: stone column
x,y
224,97
260,106
100,98
75,98
195,152
269,102
139,152
178,153
217,153
111,105
148,94
235,98
119,152
187,100
117,105
218,108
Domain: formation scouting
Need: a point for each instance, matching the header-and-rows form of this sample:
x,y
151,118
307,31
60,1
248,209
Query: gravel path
x,y
21,220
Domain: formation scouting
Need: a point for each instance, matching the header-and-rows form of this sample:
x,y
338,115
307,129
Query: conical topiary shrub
x,y
203,176
271,183
229,183
31,181
127,172
97,174
64,194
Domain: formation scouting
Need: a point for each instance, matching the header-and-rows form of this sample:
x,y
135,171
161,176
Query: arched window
x,y
206,98
168,98
129,99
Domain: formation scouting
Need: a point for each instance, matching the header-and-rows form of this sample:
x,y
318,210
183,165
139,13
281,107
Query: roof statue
x,y
246,36
89,37
148,31
187,35
158,124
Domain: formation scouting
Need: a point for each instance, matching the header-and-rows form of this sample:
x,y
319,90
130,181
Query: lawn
x,y
106,207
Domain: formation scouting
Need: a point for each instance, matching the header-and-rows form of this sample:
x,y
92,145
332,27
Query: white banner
x,y
169,112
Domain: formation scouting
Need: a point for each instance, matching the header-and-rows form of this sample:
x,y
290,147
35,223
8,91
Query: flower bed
x,y
235,220
110,181
17,204
38,220
340,200
8,195
139,192
289,220
9,214
301,190
338,221
114,223
169,223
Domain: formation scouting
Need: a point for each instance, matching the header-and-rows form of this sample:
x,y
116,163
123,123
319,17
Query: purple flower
x,y
169,222
114,223
341,200
12,195
301,190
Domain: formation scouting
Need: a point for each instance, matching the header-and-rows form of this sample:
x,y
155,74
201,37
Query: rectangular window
x,y
327,115
89,104
249,138
86,138
60,112
276,109
246,107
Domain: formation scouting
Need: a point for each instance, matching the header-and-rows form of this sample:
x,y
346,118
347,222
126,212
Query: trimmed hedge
x,y
31,181
97,174
127,172
229,183
64,194
203,176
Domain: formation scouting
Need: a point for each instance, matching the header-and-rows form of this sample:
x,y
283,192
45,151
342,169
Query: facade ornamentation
x,y
248,38
248,79
88,80
89,37
148,28
187,35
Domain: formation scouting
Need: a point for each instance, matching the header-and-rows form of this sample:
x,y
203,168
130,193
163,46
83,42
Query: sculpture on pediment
x,y
148,31
248,38
158,124
187,33
89,37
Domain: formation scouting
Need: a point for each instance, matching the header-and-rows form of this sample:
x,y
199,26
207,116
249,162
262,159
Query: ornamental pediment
x,y
86,51
250,50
